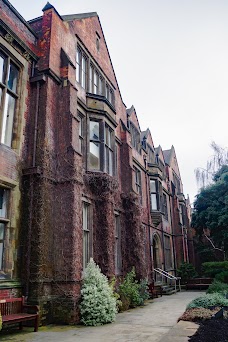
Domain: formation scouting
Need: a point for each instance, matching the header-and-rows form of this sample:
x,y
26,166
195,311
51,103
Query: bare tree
x,y
204,176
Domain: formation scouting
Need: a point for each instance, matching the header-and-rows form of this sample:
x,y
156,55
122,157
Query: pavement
x,y
156,321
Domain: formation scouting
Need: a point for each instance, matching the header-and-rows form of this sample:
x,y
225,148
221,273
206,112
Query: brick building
x,y
78,178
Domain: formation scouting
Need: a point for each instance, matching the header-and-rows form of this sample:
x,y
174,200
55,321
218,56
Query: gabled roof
x,y
81,16
159,153
171,160
167,156
131,111
145,135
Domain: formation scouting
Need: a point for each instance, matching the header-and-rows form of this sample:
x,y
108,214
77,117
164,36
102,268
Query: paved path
x,y
156,321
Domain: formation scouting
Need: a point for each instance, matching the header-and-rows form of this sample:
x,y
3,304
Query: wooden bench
x,y
198,283
155,290
13,310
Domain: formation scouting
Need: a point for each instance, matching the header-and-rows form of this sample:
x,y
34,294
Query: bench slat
x,y
18,317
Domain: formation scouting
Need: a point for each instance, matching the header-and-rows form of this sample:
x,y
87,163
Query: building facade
x,y
78,177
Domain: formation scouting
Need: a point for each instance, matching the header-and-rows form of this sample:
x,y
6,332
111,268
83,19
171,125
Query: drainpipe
x,y
173,240
148,214
29,236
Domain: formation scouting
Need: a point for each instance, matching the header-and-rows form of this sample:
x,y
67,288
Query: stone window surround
x,y
22,64
87,231
102,146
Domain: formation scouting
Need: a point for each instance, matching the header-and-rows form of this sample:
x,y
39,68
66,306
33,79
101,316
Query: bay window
x,y
153,195
91,78
101,147
109,153
94,145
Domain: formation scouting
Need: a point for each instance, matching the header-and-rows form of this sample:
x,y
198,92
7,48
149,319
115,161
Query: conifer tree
x,y
98,304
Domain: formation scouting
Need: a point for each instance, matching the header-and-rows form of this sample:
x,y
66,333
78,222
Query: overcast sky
x,y
171,62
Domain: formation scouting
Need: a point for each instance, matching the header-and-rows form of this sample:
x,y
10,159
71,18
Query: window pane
x,y
94,156
110,162
85,249
94,130
83,71
91,79
153,202
95,83
106,159
0,96
78,62
3,194
13,77
7,125
1,254
107,136
100,86
80,125
152,186
1,69
2,229
85,216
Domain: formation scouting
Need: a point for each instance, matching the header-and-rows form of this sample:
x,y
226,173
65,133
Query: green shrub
x,y
223,277
210,269
133,293
129,290
207,300
98,305
143,290
116,295
186,271
218,286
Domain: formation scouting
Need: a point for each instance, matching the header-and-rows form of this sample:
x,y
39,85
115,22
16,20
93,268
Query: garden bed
x,y
211,330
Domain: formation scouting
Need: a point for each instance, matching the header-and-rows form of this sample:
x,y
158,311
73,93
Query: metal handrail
x,y
169,276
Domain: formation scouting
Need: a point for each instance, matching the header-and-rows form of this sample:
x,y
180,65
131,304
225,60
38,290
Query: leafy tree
x,y
211,210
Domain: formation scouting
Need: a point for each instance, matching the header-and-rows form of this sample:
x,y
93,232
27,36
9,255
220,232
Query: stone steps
x,y
168,289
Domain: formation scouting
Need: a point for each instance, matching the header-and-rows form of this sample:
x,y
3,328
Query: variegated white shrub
x,y
98,305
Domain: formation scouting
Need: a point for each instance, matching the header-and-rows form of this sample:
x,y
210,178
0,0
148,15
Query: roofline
x,y
78,16
13,9
111,61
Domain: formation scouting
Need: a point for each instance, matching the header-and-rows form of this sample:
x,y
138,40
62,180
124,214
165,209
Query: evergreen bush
x,y
222,277
207,300
98,305
186,271
144,290
218,286
210,269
